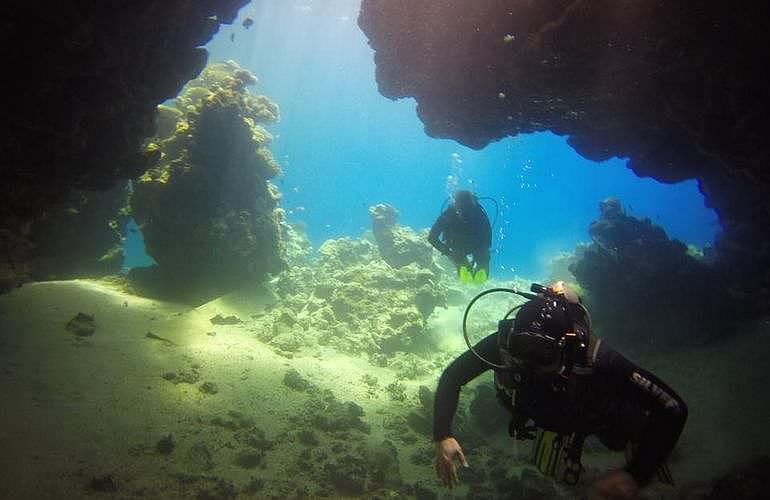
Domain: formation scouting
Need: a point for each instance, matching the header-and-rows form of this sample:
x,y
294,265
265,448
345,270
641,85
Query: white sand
x,y
77,408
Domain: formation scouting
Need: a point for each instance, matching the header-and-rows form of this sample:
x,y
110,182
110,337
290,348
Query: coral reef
x,y
644,288
81,105
352,300
207,211
655,82
398,245
295,242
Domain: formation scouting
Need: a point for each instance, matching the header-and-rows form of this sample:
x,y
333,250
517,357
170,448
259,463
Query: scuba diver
x,y
466,230
550,370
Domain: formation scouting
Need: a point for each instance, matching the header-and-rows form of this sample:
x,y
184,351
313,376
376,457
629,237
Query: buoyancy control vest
x,y
548,356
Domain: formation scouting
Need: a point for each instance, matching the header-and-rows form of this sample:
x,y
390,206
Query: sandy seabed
x,y
77,408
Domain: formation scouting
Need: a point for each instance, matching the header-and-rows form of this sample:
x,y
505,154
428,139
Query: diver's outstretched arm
x,y
462,370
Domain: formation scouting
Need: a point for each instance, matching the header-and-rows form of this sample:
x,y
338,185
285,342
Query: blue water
x,y
343,147
133,248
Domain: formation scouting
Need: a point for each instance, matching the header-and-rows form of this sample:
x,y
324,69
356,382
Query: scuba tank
x,y
542,352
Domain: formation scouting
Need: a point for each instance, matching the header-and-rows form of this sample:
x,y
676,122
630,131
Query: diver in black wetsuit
x,y
550,370
466,230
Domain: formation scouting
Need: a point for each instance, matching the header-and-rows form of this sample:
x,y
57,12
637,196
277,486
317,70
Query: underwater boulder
x,y
643,288
207,211
398,245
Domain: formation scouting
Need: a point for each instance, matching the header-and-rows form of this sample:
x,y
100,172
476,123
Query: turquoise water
x,y
343,147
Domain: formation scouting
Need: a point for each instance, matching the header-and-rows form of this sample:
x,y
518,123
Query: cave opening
x,y
336,127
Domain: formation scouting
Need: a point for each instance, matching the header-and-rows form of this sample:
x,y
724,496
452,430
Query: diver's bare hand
x,y
615,485
447,450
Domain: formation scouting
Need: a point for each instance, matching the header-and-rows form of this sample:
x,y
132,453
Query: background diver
x,y
550,370
466,231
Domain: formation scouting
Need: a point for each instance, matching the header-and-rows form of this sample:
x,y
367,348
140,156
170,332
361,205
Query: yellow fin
x,y
480,277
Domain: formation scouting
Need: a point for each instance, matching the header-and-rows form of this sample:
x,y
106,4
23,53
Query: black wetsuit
x,y
471,234
619,402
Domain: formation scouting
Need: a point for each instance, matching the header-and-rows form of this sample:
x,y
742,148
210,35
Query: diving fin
x,y
465,274
547,452
558,456
480,277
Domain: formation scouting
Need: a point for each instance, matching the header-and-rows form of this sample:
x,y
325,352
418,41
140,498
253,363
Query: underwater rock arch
x,y
673,86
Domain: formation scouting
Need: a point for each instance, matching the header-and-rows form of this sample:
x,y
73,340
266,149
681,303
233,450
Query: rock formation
x,y
674,86
351,300
207,211
81,237
644,289
86,79
398,245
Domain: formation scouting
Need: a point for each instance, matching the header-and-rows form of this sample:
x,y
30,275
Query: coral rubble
x,y
351,299
207,211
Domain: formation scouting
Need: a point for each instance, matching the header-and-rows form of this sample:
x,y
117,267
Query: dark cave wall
x,y
83,83
673,86
670,84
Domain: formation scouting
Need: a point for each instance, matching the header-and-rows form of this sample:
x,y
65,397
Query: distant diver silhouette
x,y
466,231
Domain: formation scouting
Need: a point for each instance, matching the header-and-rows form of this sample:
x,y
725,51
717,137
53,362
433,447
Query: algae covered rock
x,y
643,287
352,300
376,308
295,242
398,245
207,210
